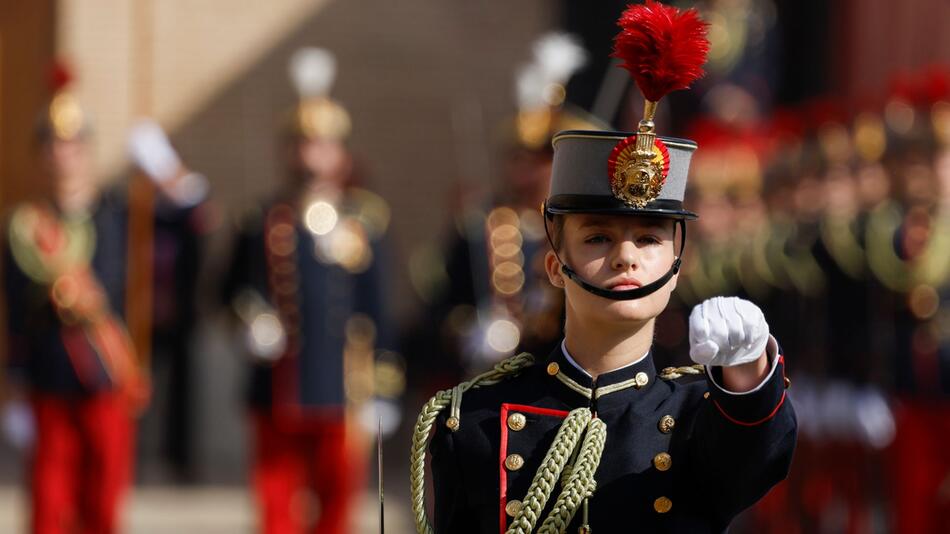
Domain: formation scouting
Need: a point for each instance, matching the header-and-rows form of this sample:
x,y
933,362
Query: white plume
x,y
559,55
531,85
312,71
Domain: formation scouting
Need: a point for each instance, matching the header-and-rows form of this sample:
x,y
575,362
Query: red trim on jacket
x,y
754,423
781,362
503,451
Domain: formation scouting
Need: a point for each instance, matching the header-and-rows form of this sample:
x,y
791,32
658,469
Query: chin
x,y
621,312
633,311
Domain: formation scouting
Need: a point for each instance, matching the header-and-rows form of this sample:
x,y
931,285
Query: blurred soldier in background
x,y
916,268
497,300
308,284
852,255
70,356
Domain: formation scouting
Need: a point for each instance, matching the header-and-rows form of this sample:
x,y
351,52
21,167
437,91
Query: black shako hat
x,y
592,173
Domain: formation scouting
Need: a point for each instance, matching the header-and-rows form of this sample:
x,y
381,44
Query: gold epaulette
x,y
27,225
672,373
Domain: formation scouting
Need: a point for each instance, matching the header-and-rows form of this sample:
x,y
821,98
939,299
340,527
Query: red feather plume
x,y
663,48
60,75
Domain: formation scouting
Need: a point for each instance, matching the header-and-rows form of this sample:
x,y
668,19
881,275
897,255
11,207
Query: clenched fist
x,y
727,331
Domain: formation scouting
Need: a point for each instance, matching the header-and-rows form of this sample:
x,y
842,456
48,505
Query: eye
x,y
596,238
649,240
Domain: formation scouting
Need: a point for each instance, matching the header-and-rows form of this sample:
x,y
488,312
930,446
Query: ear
x,y
553,269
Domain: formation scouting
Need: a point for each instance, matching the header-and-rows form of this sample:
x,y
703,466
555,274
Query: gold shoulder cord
x,y
842,245
421,434
577,478
896,273
933,268
883,260
572,459
79,239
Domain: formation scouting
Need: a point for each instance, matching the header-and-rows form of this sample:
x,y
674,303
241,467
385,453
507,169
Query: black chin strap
x,y
629,294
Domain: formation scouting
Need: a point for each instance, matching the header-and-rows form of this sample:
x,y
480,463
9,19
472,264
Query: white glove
x,y
152,152
18,424
727,331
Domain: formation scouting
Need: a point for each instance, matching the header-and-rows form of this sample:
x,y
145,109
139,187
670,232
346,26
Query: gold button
x,y
642,379
553,368
662,505
517,421
514,462
452,423
662,461
706,395
788,382
513,507
666,424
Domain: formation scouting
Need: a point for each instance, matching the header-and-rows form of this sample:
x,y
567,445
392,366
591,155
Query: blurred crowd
x,y
833,217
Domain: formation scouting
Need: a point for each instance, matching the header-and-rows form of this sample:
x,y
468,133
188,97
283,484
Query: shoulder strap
x,y
672,373
421,434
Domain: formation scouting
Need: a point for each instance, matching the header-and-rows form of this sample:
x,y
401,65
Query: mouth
x,y
624,285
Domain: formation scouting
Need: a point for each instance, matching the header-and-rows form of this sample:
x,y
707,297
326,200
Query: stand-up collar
x,y
638,376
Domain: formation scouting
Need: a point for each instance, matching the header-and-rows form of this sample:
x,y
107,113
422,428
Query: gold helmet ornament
x,y
317,116
64,119
664,49
541,91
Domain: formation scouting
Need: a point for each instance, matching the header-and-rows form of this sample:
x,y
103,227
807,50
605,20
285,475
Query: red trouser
x,y
82,464
314,456
921,467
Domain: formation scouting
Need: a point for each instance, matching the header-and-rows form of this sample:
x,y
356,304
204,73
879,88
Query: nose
x,y
625,256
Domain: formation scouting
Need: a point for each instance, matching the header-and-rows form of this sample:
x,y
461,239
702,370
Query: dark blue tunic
x,y
327,297
37,354
726,450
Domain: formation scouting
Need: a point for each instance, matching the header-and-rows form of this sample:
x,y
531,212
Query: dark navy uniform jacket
x,y
327,297
37,354
725,451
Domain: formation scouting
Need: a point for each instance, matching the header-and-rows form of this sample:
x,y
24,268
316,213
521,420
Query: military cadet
x,y
594,439
307,282
70,355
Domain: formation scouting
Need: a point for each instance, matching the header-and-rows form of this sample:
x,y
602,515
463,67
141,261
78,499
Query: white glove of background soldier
x,y
152,152
727,331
